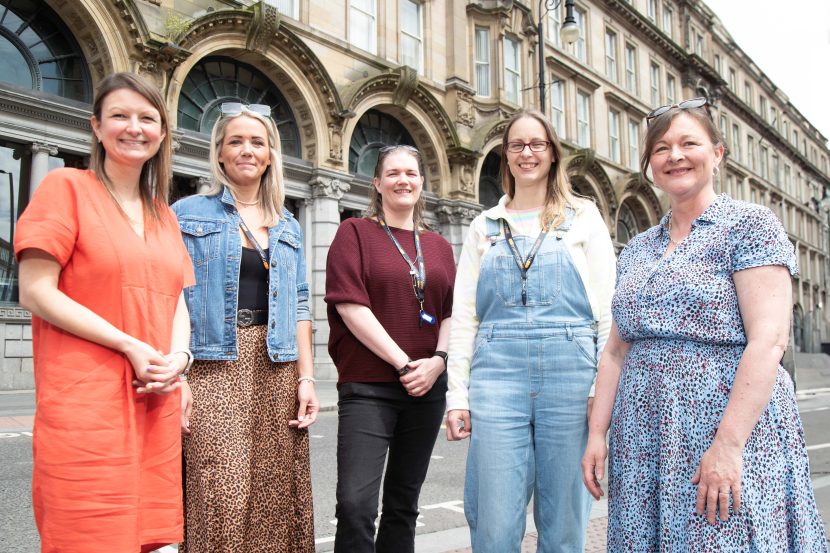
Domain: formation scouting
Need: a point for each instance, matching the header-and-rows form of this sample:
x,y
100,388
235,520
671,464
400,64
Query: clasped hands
x,y
155,372
422,375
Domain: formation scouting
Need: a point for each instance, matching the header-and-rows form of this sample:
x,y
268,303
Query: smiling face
x,y
129,128
529,168
400,182
245,154
683,160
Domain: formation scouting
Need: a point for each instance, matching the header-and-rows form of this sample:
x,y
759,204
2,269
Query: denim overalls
x,y
531,373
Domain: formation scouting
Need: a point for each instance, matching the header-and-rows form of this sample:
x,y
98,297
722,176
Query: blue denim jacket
x,y
210,228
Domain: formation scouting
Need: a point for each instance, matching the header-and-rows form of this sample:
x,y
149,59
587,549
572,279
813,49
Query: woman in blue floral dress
x,y
707,449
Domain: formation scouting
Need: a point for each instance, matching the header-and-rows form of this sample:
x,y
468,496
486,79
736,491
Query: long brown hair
x,y
271,196
376,201
659,126
154,181
559,193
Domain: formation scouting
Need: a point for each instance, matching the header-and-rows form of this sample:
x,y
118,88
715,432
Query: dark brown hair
x,y
659,126
154,181
559,192
375,199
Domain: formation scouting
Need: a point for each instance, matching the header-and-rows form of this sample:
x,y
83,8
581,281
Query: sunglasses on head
x,y
392,148
232,109
685,104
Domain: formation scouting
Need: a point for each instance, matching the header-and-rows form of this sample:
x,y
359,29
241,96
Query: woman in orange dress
x,y
102,268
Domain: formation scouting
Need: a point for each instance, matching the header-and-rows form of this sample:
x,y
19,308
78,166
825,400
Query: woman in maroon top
x,y
389,286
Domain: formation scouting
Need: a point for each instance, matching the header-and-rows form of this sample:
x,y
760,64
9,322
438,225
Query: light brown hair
x,y
559,193
154,181
660,125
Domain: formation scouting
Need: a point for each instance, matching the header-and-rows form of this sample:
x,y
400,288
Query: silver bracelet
x,y
189,363
306,379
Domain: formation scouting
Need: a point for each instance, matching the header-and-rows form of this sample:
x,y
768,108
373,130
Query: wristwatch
x,y
443,355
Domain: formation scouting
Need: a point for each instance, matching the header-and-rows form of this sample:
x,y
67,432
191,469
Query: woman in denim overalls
x,y
531,314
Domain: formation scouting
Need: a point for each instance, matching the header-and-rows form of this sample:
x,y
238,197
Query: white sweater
x,y
590,248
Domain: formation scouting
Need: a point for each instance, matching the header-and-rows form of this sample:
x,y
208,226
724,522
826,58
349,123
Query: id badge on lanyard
x,y
418,274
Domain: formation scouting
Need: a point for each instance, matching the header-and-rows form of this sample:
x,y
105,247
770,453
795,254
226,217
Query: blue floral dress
x,y
680,314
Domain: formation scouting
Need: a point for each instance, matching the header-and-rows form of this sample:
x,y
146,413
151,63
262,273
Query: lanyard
x,y
418,274
523,265
250,236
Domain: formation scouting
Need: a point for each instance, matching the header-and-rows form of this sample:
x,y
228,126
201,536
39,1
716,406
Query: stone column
x,y
455,217
327,188
40,163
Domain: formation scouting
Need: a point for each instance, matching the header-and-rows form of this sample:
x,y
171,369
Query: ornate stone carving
x,y
455,212
406,86
464,108
49,149
328,187
336,142
264,26
14,314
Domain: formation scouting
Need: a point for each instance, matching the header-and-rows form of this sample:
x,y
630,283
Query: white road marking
x,y
817,446
436,456
316,436
814,410
449,505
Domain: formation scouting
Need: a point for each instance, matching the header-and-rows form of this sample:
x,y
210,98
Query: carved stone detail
x,y
407,85
328,187
465,110
264,27
49,149
336,142
455,213
14,314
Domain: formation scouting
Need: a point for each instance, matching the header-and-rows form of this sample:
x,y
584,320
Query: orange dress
x,y
107,461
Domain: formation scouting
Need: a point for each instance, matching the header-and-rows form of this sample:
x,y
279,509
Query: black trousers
x,y
374,419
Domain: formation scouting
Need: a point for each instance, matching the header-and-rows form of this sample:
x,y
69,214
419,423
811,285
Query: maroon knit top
x,y
365,267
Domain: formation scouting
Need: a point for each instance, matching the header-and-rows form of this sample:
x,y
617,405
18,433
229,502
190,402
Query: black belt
x,y
250,317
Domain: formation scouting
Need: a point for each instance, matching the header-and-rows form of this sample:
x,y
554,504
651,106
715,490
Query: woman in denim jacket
x,y
248,483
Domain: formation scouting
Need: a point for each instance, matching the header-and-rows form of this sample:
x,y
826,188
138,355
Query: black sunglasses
x,y
685,104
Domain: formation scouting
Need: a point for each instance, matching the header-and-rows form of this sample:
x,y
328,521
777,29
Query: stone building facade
x,y
346,77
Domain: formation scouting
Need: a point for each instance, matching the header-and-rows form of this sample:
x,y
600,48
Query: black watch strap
x,y
443,355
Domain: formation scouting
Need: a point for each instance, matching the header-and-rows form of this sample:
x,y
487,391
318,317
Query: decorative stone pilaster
x,y
462,173
40,162
327,189
454,218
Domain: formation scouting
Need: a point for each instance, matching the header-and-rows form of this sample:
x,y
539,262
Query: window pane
x,y
633,145
482,53
583,122
557,104
614,135
411,18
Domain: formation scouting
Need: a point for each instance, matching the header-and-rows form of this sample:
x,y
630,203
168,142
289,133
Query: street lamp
x,y
569,34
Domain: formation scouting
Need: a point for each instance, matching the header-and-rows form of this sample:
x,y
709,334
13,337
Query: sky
x,y
789,40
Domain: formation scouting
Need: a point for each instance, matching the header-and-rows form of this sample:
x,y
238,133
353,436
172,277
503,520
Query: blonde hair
x,y
376,200
157,172
271,189
559,193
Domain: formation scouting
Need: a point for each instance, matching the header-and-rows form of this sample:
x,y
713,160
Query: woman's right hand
x,y
458,425
593,464
152,370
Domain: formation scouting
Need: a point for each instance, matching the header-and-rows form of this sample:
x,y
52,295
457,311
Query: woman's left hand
x,y
309,406
717,477
422,375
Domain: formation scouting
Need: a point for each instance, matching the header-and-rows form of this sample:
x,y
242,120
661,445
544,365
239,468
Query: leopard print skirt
x,y
247,474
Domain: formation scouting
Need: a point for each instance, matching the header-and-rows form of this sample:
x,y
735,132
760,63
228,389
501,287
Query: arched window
x,y
38,52
215,80
489,184
632,219
374,131
626,225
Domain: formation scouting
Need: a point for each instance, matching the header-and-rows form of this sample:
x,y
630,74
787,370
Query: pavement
x,y
17,410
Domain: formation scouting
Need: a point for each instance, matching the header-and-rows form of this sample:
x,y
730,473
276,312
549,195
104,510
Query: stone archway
x,y
588,178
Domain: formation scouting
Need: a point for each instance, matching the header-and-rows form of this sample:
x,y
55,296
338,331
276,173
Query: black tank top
x,y
253,281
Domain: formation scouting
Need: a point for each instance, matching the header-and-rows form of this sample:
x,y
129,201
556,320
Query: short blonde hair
x,y
271,189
